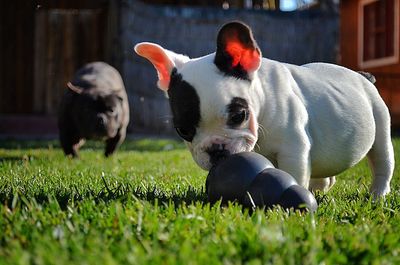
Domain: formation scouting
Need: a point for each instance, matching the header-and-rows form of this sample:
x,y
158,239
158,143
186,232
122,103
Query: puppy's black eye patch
x,y
185,106
238,112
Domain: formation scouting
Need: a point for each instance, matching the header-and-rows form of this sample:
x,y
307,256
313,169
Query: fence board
x,y
388,86
39,66
16,56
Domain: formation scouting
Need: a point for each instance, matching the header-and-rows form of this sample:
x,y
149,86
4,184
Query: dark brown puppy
x,y
95,106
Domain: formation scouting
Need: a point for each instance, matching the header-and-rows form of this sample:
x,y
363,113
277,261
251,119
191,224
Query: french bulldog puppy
x,y
313,121
95,106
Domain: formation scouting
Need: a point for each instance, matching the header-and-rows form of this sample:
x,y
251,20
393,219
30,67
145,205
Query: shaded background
x,y
44,42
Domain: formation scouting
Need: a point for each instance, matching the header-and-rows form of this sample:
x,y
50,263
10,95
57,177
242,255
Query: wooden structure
x,y
257,4
369,34
43,43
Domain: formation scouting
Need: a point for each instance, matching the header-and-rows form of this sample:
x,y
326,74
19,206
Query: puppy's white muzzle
x,y
211,147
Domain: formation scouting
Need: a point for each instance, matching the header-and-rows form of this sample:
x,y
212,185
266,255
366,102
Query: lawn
x,y
146,205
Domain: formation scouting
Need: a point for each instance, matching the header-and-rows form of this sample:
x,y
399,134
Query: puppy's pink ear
x,y
160,60
237,51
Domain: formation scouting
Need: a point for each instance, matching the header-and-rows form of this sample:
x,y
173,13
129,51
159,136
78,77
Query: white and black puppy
x,y
312,121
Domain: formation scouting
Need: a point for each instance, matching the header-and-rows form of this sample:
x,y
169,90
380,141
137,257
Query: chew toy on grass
x,y
251,179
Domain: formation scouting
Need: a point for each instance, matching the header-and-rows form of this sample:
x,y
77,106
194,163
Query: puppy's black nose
x,y
101,123
217,152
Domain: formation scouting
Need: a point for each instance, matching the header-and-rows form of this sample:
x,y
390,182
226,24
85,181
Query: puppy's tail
x,y
369,76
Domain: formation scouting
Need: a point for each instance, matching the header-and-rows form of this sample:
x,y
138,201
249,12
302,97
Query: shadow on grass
x,y
145,144
122,193
29,144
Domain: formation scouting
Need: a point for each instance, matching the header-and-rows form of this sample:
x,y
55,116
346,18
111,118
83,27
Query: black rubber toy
x,y
267,187
250,179
299,198
232,176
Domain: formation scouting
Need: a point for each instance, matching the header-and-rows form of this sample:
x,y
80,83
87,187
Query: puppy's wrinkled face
x,y
211,111
210,96
100,115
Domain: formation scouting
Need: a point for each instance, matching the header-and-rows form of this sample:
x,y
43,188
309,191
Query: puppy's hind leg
x,y
381,155
321,184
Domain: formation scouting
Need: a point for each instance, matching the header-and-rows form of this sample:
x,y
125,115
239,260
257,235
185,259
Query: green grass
x,y
146,205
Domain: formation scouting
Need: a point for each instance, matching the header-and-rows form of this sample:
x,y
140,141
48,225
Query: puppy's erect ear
x,y
237,51
75,89
163,60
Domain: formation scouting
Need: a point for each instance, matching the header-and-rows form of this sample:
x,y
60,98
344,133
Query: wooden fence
x,y
16,56
42,43
65,39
